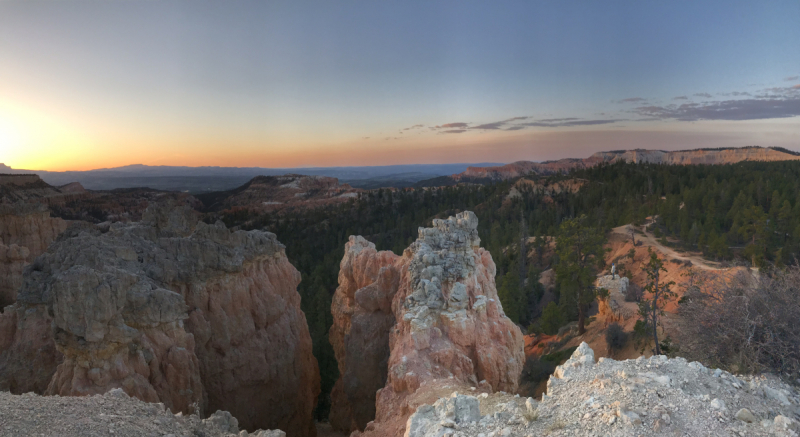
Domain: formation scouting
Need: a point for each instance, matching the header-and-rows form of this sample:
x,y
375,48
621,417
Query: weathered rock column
x,y
449,330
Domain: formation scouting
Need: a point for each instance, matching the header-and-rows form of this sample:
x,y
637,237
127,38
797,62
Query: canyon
x,y
141,300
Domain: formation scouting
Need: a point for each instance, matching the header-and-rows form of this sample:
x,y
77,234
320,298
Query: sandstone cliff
x,y
170,310
682,157
25,232
448,326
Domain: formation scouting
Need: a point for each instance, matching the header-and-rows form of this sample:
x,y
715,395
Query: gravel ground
x,y
113,414
641,397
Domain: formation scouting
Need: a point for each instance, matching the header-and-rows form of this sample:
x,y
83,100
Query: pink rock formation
x,y
449,327
682,157
363,318
25,232
170,310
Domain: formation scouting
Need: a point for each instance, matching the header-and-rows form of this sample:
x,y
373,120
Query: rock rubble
x,y
655,396
113,413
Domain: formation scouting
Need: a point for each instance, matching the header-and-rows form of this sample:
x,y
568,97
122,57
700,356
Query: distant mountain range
x,y
481,174
209,179
198,180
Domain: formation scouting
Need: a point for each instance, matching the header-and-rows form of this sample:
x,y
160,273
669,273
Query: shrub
x,y
616,337
633,293
745,322
552,319
536,371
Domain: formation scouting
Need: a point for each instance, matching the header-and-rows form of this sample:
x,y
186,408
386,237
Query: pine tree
x,y
580,254
659,294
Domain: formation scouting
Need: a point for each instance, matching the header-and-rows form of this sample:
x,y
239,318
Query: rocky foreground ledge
x,y
641,397
111,414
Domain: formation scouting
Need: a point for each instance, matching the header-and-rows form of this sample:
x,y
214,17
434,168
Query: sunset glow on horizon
x,y
95,84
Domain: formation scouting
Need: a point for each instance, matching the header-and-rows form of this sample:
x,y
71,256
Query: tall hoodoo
x,y
176,311
449,327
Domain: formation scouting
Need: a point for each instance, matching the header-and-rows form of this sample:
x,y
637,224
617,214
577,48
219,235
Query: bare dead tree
x,y
632,231
744,323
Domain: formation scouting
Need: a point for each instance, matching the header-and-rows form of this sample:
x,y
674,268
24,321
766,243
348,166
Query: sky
x,y
93,84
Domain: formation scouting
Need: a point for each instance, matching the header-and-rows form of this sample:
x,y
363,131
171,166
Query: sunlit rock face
x,y
170,310
448,326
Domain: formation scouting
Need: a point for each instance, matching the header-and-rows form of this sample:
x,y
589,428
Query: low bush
x,y
745,323
633,293
616,337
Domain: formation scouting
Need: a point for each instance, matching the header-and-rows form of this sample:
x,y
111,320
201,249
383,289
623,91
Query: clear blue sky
x,y
97,83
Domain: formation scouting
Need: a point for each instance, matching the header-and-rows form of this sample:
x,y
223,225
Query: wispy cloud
x,y
706,95
570,122
493,125
791,78
454,131
745,109
556,120
632,100
457,125
680,98
416,126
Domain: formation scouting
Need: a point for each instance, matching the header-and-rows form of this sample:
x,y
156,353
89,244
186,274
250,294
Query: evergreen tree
x,y
580,254
659,294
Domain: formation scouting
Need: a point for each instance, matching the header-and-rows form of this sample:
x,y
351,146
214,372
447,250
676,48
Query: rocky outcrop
x,y
655,396
176,311
449,328
279,193
26,230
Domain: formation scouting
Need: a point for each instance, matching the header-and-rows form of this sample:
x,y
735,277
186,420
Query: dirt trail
x,y
649,240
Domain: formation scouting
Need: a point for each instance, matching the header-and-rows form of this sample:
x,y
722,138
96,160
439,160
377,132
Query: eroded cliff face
x,y
449,327
363,319
170,310
685,157
26,230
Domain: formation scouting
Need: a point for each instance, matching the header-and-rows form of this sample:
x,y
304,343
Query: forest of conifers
x,y
747,212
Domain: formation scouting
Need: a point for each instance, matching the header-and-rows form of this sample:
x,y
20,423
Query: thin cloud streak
x,y
749,109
